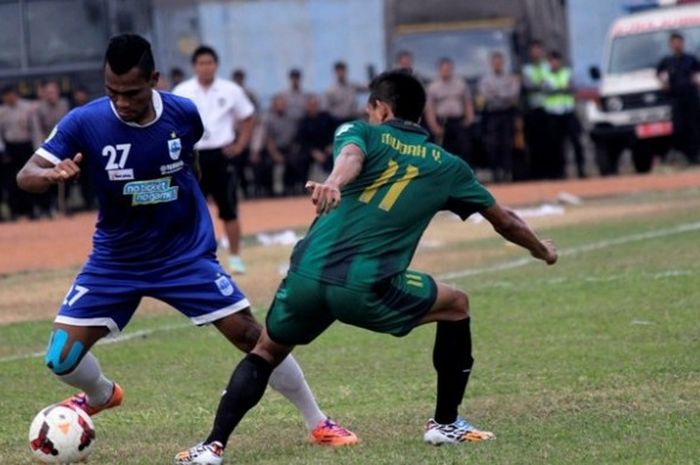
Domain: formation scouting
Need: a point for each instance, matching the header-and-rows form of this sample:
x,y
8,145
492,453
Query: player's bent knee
x,y
460,306
61,356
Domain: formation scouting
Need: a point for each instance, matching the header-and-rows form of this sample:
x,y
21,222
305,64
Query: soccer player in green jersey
x,y
387,183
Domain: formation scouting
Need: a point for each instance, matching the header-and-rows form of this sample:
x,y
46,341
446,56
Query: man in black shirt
x,y
678,73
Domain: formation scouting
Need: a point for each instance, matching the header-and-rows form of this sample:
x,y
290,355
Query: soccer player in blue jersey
x,y
154,235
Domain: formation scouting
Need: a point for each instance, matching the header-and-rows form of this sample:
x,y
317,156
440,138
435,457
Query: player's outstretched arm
x,y
509,225
38,174
347,167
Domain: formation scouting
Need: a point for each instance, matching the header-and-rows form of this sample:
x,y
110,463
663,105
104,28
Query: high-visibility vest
x,y
536,73
559,102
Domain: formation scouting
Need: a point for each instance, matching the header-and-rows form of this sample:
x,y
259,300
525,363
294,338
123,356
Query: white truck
x,y
633,111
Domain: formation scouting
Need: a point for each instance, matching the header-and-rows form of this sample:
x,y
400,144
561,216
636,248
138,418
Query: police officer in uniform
x,y
563,124
534,117
678,73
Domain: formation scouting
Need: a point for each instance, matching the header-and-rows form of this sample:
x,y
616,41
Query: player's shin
x,y
452,359
288,380
87,376
245,389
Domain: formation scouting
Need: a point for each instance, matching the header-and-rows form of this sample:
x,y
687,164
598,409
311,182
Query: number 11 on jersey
x,y
396,188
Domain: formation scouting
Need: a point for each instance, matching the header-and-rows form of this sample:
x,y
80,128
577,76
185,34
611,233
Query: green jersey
x,y
375,230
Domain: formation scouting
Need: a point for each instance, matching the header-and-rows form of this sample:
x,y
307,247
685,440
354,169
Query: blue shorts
x,y
101,296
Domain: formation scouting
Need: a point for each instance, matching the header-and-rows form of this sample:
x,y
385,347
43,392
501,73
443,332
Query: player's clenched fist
x,y
549,253
326,197
66,170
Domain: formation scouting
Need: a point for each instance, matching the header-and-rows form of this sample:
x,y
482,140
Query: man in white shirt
x,y
223,107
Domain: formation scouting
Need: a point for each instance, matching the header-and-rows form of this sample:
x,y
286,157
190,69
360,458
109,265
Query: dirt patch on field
x,y
39,260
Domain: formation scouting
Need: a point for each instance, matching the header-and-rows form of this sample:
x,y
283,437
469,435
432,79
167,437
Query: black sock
x,y
452,359
245,389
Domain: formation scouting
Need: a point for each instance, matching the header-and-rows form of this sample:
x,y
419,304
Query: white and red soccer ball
x,y
61,435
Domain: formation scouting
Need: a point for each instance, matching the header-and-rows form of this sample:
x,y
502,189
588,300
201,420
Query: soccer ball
x,y
61,435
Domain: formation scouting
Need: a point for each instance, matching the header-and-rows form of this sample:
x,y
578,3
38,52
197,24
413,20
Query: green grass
x,y
596,360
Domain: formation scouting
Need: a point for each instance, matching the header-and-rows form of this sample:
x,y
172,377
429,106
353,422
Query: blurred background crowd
x,y
508,85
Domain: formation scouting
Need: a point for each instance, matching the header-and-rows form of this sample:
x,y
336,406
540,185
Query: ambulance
x,y
632,111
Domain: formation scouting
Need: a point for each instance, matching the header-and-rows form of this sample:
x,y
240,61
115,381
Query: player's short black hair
x,y
339,65
204,50
401,91
676,35
238,73
295,73
445,61
555,55
535,43
128,51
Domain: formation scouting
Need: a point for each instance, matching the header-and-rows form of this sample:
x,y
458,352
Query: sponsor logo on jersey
x,y
172,167
151,192
121,175
225,285
174,148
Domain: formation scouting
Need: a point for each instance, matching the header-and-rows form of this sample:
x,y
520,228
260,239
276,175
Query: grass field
x,y
596,360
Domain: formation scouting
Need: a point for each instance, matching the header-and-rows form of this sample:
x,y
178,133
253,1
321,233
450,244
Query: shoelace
x,y
462,423
333,426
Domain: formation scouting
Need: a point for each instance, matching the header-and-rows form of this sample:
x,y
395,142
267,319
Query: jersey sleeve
x,y
467,195
242,106
64,141
354,132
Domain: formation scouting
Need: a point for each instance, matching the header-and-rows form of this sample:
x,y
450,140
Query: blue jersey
x,y
152,211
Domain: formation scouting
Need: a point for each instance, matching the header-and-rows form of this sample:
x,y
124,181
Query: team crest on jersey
x,y
174,148
224,284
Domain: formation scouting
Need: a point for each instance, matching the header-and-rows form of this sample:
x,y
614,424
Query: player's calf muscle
x,y
68,345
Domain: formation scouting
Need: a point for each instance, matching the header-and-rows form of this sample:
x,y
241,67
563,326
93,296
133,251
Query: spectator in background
x,y
535,117
279,129
4,178
449,110
163,84
405,62
19,131
295,96
80,96
315,139
242,162
177,76
341,96
51,108
678,73
238,76
500,92
563,124
224,109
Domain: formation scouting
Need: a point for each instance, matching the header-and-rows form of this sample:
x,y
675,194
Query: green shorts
x,y
304,307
